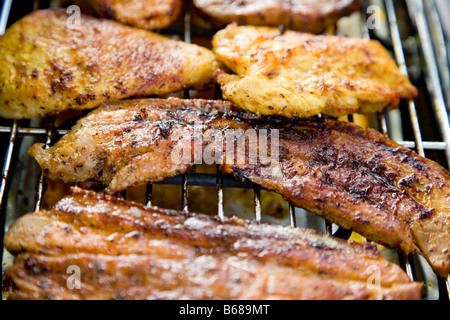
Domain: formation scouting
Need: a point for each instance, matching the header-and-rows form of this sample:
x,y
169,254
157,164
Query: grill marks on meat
x,y
146,14
296,74
356,178
47,68
139,252
304,15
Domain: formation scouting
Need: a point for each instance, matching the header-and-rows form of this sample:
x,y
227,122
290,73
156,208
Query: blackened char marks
x,y
353,177
133,251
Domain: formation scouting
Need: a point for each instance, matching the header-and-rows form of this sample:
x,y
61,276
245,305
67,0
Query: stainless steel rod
x,y
219,186
400,57
432,74
6,9
257,194
40,185
292,220
149,194
7,161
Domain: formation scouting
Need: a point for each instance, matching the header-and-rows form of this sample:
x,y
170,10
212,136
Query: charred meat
x,y
301,75
303,15
145,14
49,64
125,250
356,178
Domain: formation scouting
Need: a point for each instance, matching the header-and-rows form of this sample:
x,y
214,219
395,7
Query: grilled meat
x,y
304,15
301,75
47,68
146,14
356,178
138,252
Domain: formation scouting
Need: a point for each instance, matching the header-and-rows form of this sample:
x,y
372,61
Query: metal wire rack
x,y
411,30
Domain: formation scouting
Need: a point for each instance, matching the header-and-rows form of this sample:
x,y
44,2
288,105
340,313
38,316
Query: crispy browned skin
x,y
46,68
304,15
146,14
296,74
356,178
127,251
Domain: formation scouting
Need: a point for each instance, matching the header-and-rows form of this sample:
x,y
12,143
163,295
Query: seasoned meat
x,y
125,250
146,14
356,178
304,15
301,75
47,68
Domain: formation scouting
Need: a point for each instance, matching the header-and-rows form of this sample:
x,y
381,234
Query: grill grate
x,y
415,120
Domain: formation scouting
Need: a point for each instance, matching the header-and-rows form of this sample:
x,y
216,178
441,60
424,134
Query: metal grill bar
x,y
433,80
292,220
41,181
7,162
5,15
439,44
427,145
257,193
400,57
219,186
148,194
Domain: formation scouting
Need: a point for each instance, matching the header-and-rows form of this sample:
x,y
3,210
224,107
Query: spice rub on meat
x,y
128,251
297,74
47,66
356,178
145,14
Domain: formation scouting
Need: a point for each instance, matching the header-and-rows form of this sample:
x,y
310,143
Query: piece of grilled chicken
x,y
356,178
47,67
127,251
145,14
304,15
297,74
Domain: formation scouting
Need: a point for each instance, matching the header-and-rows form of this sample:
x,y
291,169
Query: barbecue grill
x,y
411,30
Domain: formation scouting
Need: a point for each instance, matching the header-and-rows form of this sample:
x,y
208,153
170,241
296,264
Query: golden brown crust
x,y
353,177
47,68
297,74
137,252
303,15
145,14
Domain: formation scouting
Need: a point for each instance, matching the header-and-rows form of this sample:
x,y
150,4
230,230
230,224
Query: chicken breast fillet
x,y
47,68
303,15
356,178
125,250
301,75
145,14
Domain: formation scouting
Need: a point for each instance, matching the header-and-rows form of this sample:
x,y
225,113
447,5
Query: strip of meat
x,y
304,15
51,62
301,75
356,178
146,14
138,252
